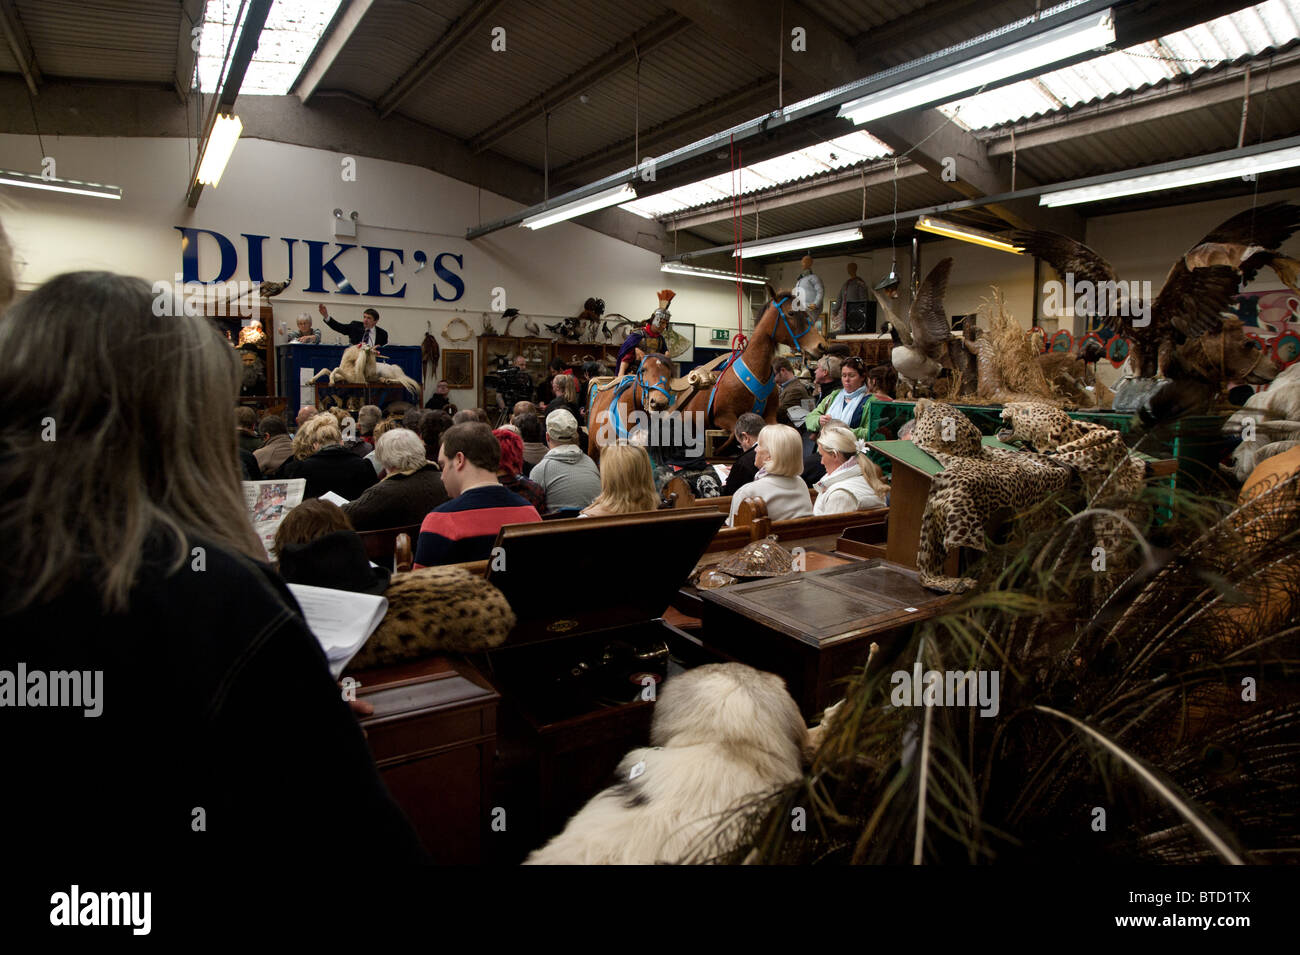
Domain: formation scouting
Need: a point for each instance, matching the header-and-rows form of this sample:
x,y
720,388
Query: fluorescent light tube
x,y
952,230
951,82
30,181
1175,178
601,200
773,246
221,143
710,273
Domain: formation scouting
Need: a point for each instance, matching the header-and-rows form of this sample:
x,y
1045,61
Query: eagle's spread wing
x,y
1267,227
1065,255
930,325
1192,300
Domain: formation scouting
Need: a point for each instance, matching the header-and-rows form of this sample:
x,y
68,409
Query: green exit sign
x,y
721,335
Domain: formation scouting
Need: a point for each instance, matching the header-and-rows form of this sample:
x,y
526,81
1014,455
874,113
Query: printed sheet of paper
x,y
268,502
342,621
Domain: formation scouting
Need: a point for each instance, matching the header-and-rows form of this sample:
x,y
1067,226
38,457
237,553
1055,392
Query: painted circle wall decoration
x,y
1117,350
1062,341
1286,349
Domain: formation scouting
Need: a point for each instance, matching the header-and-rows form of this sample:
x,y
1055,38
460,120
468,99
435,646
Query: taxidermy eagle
x,y
922,341
1199,288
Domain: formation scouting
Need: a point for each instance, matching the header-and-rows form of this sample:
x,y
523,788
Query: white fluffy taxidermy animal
x,y
360,365
722,735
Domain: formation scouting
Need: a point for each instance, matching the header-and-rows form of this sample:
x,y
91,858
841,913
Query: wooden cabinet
x,y
495,352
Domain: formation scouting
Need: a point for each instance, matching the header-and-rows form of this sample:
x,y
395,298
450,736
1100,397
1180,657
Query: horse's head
x,y
794,326
652,377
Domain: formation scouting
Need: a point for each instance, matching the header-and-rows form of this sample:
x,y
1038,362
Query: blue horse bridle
x,y
621,386
761,390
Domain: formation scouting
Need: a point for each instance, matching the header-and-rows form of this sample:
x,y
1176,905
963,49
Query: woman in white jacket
x,y
780,462
853,482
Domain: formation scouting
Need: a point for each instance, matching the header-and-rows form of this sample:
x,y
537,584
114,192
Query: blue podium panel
x,y
295,360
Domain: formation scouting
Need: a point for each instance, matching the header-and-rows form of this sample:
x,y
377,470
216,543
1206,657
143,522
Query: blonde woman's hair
x,y
145,446
843,441
784,450
400,450
627,483
385,426
316,433
568,388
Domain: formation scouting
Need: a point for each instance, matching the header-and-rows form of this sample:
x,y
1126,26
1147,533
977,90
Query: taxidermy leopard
x,y
975,484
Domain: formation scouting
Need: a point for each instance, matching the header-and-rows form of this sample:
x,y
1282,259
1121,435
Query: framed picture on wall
x,y
458,367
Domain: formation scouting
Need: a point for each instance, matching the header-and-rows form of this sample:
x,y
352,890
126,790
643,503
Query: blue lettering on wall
x,y
317,268
451,278
190,255
255,256
372,255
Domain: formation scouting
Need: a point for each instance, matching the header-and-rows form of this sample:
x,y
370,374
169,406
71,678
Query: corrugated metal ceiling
x,y
128,42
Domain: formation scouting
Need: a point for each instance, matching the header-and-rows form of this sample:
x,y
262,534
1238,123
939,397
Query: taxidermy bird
x,y
429,352
509,315
488,327
272,289
604,330
922,346
531,328
1199,288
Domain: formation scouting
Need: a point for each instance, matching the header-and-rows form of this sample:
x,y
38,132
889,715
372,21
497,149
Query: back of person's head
x,y
319,432
413,418
385,426
272,425
885,378
305,413
627,483
432,427
339,415
568,388
831,364
841,440
530,427
512,452
784,449
782,364
470,416
750,423
367,417
562,427
311,519
121,425
245,418
476,441
400,449
398,409
523,407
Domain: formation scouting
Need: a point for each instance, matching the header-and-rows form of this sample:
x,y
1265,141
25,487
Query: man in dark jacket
x,y
745,469
366,331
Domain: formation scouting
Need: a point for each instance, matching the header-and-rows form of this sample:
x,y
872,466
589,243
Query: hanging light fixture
x,y
221,143
953,230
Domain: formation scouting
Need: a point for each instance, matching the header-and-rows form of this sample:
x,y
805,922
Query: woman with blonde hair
x,y
853,482
627,483
780,462
319,456
129,560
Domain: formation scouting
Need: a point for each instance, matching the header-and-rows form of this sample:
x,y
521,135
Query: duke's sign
x,y
377,264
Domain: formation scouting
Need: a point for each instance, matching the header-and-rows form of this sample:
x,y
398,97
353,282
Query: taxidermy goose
x,y
921,341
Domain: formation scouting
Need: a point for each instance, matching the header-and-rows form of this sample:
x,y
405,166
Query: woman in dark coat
x,y
411,488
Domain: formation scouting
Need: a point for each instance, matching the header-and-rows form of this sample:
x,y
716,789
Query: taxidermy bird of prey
x,y
922,346
509,315
1188,305
271,289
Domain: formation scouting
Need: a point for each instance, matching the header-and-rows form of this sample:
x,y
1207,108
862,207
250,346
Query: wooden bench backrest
x,y
381,545
760,525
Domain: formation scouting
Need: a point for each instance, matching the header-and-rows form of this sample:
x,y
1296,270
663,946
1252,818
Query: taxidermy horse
x,y
610,402
747,383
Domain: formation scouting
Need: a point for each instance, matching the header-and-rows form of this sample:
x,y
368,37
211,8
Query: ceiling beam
x,y
1172,99
832,184
750,96
186,46
16,36
872,46
467,23
638,44
328,48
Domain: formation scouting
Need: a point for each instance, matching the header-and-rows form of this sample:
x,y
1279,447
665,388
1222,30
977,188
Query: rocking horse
x,y
746,382
611,401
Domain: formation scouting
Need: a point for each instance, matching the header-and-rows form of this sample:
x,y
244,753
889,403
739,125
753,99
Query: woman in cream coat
x,y
853,482
780,462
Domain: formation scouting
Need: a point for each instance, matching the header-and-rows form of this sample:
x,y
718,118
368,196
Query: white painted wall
x,y
283,190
